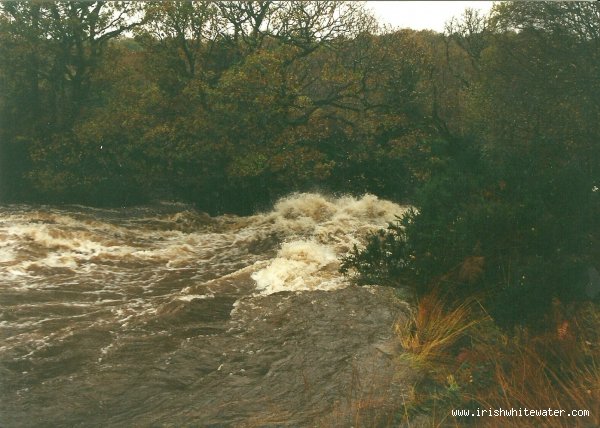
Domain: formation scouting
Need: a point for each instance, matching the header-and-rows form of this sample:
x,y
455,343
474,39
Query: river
x,y
164,316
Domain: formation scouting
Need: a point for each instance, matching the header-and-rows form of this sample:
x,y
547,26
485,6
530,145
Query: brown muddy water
x,y
164,316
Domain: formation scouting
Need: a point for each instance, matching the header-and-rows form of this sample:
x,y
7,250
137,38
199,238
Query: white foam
x,y
318,230
299,265
190,297
6,254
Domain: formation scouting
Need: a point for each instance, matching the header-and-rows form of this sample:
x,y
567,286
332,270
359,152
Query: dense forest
x,y
227,105
491,130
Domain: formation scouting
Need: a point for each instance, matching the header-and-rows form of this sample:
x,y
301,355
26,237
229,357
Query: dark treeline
x,y
491,129
224,104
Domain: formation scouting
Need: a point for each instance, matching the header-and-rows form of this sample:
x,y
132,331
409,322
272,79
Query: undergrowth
x,y
470,364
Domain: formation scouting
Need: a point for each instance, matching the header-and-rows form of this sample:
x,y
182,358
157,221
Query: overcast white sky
x,y
422,15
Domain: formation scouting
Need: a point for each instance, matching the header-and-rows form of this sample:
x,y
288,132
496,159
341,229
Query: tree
x,y
51,52
191,27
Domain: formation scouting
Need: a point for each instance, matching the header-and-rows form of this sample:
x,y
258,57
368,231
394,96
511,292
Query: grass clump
x,y
435,329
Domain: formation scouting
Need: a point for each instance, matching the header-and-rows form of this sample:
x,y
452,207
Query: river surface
x,y
164,316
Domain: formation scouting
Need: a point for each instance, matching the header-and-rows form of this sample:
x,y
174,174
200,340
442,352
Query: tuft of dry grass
x,y
436,327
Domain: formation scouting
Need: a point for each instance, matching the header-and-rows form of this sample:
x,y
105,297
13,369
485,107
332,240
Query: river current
x,y
164,316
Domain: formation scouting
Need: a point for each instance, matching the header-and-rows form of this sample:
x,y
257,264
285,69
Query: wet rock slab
x,y
287,359
322,354
291,360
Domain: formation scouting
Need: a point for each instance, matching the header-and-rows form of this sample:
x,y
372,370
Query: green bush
x,y
517,237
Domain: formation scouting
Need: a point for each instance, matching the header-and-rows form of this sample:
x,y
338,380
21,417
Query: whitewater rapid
x,y
91,297
312,232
